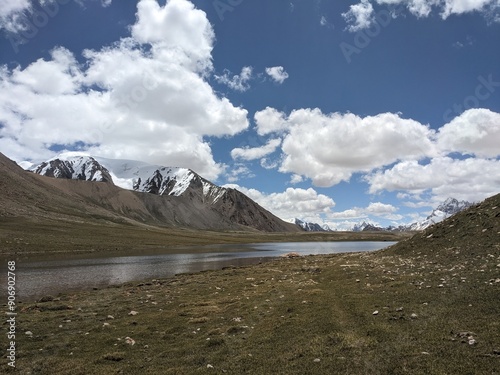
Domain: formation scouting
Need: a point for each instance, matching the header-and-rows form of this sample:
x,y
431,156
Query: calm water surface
x,y
49,277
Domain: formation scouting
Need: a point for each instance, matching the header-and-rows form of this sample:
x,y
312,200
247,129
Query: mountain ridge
x,y
444,210
195,208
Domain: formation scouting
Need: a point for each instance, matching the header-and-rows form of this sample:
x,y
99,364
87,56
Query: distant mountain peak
x,y
192,194
74,167
364,227
311,227
449,207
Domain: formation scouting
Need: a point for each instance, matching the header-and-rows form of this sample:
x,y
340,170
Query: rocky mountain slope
x,y
74,168
34,196
311,227
448,208
473,232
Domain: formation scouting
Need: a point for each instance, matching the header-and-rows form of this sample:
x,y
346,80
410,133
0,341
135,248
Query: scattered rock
x,y
115,357
399,309
110,317
414,316
375,312
293,254
28,333
133,313
317,360
129,340
46,299
210,366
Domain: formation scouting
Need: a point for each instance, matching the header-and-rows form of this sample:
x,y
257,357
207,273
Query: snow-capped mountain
x,y
160,180
310,227
73,168
326,228
192,198
364,226
449,207
128,174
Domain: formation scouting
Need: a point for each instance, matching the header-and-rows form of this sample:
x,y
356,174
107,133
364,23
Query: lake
x,y
35,279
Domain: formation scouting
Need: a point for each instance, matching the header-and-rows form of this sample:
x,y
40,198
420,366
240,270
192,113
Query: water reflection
x,y
39,278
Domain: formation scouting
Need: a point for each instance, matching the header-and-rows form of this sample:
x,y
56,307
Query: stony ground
x,y
428,305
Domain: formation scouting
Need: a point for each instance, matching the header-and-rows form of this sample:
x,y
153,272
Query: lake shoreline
x,y
351,313
23,239
44,277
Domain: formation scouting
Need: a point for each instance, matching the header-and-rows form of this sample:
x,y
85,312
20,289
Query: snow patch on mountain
x,y
149,178
129,174
448,208
73,167
310,227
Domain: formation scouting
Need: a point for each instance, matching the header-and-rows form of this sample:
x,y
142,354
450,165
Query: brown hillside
x,y
33,196
474,231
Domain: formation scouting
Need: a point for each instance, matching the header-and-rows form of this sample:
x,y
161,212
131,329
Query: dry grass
x,y
436,298
24,238
309,315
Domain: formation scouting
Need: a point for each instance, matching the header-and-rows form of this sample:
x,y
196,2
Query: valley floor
x,y
20,237
365,313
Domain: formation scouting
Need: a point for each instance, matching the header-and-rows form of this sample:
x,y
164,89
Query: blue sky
x,y
334,112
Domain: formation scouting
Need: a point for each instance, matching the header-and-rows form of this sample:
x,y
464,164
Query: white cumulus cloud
x,y
329,148
476,131
238,82
252,153
277,74
470,179
145,97
270,120
361,15
11,12
291,203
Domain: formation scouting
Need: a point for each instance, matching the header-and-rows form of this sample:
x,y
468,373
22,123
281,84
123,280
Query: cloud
x,y
16,15
467,6
471,179
238,82
392,153
329,148
11,12
247,153
476,131
270,120
376,209
146,97
277,74
379,208
323,21
238,172
360,16
296,178
291,203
